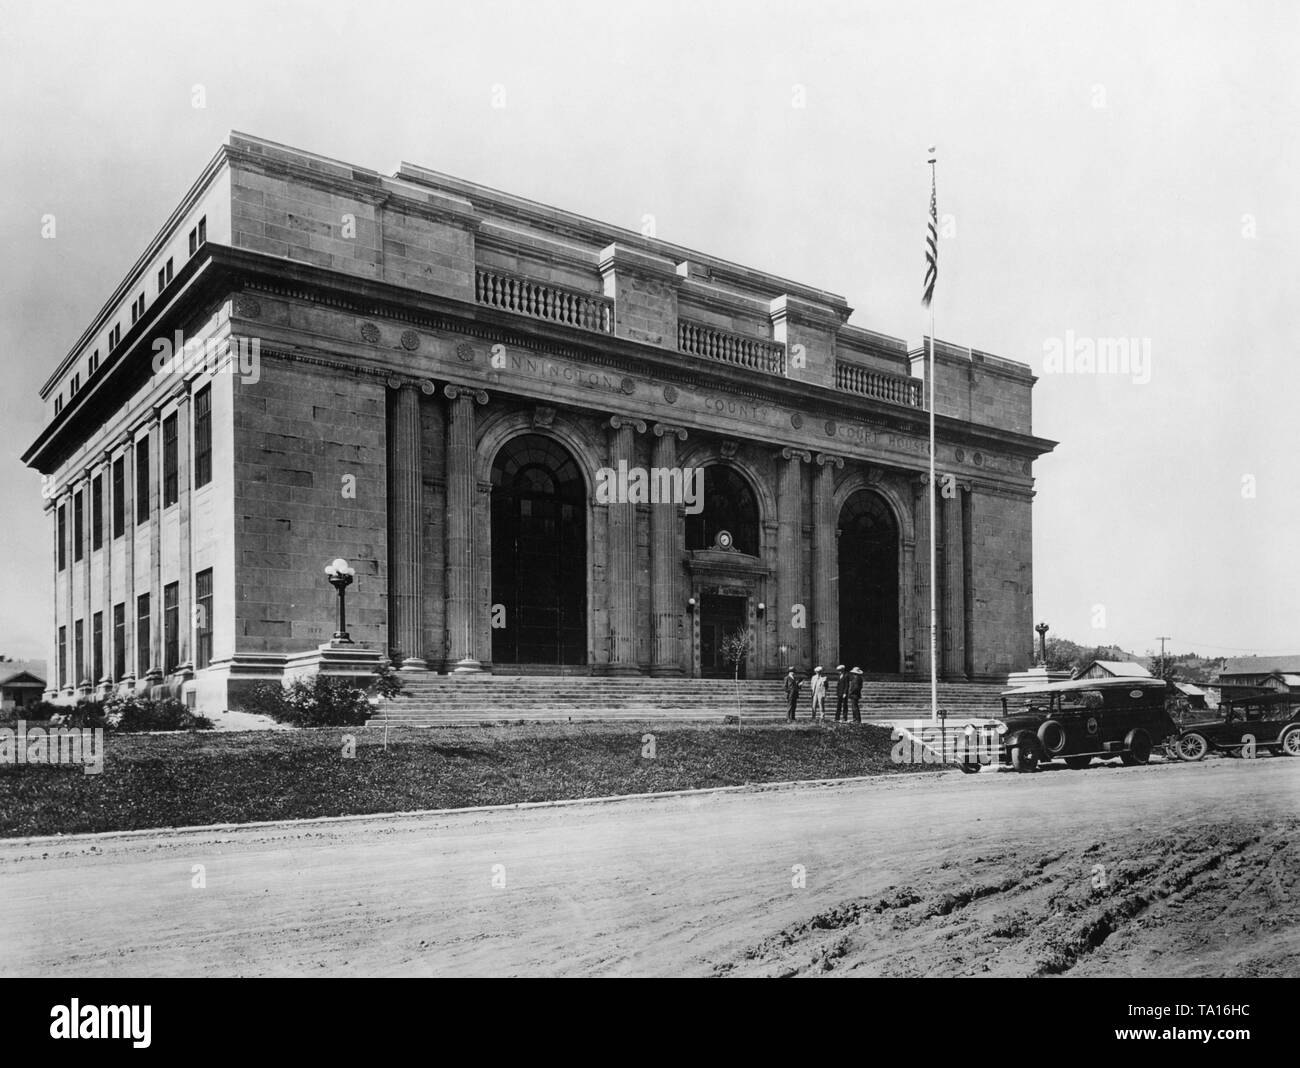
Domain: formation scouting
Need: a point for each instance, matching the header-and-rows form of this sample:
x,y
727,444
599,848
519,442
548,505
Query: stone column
x,y
405,522
105,681
70,651
924,500
462,610
128,556
665,562
826,563
52,671
155,673
789,562
185,580
86,684
620,573
953,664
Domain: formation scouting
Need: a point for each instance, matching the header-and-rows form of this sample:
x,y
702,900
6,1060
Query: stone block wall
x,y
300,432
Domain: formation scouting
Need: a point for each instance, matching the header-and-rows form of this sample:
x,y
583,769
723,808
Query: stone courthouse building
x,y
426,378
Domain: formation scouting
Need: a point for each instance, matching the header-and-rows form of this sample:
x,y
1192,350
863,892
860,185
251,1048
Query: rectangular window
x,y
203,230
170,487
135,312
63,657
97,513
63,536
97,647
194,241
203,437
142,635
142,480
74,385
162,280
119,641
92,364
171,627
78,653
58,404
119,496
203,618
168,269
78,526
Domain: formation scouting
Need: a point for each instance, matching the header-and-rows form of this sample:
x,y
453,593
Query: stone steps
x,y
440,700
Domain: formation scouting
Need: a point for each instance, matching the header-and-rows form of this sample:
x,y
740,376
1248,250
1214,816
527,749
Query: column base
x,y
619,669
662,671
468,666
412,663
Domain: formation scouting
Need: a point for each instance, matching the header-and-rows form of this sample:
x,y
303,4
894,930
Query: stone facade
x,y
402,338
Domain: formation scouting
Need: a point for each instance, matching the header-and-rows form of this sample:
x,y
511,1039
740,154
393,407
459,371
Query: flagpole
x,y
929,375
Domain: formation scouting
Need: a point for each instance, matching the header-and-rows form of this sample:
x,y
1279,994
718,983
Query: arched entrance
x,y
539,554
868,564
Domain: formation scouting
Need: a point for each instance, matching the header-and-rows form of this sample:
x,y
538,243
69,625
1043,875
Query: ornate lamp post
x,y
340,577
1042,643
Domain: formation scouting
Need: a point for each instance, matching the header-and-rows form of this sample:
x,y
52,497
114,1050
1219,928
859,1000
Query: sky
x,y
1106,170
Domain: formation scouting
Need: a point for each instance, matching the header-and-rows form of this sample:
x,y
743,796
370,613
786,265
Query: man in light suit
x,y
818,693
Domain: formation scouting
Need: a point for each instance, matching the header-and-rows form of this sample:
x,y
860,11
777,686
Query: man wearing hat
x,y
818,693
855,693
792,686
841,693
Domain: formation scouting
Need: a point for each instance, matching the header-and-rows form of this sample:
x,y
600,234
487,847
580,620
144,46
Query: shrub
x,y
387,683
315,701
129,713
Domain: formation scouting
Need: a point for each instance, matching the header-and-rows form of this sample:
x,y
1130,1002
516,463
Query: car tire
x,y
1289,743
1077,763
1025,752
1051,736
1137,748
1192,746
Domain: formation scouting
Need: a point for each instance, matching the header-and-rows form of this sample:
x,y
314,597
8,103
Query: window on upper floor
x,y
97,512
58,404
119,496
171,487
142,481
61,551
164,275
74,384
92,365
114,336
78,526
203,437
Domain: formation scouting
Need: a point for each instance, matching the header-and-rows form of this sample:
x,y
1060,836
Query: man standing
x,y
818,693
855,693
792,685
841,694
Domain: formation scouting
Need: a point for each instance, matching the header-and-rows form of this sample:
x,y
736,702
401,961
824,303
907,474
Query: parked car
x,y
1270,721
1086,718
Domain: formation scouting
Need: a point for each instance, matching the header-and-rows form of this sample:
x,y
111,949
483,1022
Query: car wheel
x,y
1192,746
1025,752
1077,763
1137,747
1051,736
1289,743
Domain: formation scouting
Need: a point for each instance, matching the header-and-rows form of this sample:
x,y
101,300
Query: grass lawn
x,y
177,780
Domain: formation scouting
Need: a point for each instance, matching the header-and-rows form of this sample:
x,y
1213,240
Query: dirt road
x,y
1165,870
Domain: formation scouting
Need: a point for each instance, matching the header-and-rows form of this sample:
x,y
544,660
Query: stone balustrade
x,y
696,339
880,385
542,301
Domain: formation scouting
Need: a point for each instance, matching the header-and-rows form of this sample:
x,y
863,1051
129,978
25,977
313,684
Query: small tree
x,y
735,650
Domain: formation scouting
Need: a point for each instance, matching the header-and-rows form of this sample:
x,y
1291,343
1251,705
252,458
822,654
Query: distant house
x,y
1194,694
21,683
1243,676
1113,669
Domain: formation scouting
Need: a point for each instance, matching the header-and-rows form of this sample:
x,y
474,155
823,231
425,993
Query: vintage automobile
x,y
1268,721
1086,718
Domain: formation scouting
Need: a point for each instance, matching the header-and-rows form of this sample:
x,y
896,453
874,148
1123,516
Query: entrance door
x,y
720,615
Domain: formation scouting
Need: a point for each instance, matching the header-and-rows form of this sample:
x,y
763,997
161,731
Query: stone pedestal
x,y
335,659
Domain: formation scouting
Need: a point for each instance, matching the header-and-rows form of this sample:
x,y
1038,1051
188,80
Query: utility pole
x,y
1162,638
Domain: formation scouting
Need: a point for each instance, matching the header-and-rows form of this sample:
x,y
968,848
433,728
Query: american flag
x,y
931,244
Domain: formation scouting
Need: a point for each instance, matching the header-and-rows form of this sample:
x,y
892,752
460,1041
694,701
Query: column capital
x,y
452,392
827,458
660,429
796,454
617,421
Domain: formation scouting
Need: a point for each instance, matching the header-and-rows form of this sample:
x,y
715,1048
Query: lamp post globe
x,y
340,575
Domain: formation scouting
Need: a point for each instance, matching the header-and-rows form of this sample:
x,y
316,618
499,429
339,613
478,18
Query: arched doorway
x,y
725,529
539,554
868,564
